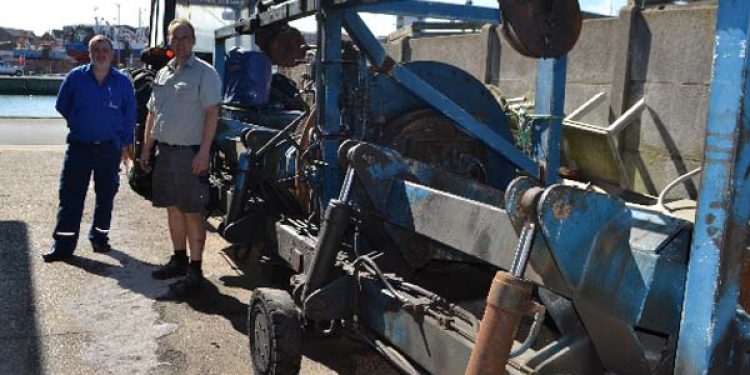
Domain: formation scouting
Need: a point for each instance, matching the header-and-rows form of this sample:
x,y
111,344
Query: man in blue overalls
x,y
98,104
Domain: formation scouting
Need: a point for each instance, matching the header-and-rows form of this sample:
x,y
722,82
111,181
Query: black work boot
x,y
177,266
194,279
54,255
100,247
186,288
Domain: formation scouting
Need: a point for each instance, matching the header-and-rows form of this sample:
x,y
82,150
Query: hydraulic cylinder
x,y
508,301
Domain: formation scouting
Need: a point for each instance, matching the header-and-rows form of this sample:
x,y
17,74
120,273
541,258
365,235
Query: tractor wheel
x,y
275,333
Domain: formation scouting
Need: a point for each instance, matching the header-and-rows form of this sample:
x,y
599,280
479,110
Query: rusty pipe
x,y
508,301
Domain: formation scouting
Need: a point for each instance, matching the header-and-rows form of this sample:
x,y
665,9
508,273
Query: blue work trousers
x,y
80,161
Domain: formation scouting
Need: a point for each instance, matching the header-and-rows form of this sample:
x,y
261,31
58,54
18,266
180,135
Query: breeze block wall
x,y
662,54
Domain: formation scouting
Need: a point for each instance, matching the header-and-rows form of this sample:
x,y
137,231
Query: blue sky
x,y
602,6
43,15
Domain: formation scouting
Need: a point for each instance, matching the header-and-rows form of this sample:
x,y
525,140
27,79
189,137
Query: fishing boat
x,y
128,41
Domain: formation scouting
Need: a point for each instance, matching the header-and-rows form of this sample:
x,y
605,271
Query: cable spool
x,y
541,28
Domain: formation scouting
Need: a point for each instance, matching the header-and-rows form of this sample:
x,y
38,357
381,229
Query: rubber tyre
x,y
138,179
274,332
19,73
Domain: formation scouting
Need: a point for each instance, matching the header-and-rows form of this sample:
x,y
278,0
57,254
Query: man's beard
x,y
101,65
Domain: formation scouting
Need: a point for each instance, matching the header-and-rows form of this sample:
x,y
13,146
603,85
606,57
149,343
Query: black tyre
x,y
275,271
19,73
275,333
140,180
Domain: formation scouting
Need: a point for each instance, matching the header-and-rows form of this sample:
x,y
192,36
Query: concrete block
x,y
576,94
394,49
675,120
491,66
623,45
668,140
512,88
592,58
651,172
515,67
674,45
464,51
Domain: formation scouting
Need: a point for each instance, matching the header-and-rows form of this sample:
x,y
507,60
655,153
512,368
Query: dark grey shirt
x,y
179,101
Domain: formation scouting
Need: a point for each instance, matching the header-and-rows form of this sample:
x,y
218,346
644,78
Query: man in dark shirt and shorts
x,y
98,104
183,111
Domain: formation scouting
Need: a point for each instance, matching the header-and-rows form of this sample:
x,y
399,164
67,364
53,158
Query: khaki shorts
x,y
174,183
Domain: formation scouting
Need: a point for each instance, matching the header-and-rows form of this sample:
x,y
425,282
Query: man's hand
x,y
200,163
145,161
126,154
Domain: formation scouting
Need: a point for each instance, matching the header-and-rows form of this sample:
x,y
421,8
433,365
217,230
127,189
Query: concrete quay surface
x,y
102,313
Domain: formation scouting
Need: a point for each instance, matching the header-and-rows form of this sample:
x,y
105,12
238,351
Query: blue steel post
x,y
709,336
329,115
431,9
220,51
549,106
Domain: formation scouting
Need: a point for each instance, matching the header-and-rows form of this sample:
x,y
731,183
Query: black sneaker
x,y
177,266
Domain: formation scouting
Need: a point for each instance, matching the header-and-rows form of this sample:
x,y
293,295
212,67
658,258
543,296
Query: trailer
x,y
399,207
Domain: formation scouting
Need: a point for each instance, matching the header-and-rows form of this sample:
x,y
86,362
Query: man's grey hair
x,y
181,21
98,38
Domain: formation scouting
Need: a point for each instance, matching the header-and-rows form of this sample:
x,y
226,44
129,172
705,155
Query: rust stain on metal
x,y
562,209
508,300
712,231
745,283
710,218
283,44
368,160
387,65
719,204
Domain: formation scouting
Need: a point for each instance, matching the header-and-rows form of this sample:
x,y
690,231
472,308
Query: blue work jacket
x,y
97,113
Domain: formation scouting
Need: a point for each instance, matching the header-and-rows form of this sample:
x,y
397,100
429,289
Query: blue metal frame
x,y
330,20
220,50
623,267
549,106
331,17
708,331
711,329
329,85
431,9
417,86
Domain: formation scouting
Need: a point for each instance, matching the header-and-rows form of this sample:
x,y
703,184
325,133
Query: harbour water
x,y
28,106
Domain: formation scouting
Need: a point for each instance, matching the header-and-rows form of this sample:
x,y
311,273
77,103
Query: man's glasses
x,y
179,39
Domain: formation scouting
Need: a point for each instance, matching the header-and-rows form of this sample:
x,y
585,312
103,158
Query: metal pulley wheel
x,y
283,44
541,28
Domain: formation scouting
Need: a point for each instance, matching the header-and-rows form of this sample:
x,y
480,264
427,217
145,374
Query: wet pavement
x,y
102,313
